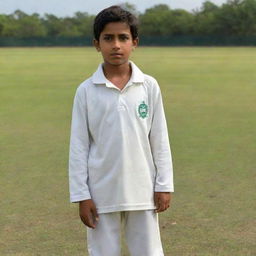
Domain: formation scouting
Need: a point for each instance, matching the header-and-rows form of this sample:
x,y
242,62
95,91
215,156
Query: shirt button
x,y
121,107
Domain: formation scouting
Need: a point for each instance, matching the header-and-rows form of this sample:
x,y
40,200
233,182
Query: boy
x,y
120,166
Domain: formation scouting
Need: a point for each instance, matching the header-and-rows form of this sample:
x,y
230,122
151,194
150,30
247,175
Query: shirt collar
x,y
137,76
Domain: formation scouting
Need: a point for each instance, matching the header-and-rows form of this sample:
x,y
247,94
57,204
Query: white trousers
x,y
141,230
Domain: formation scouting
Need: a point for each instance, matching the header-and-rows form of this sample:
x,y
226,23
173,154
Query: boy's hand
x,y
162,201
88,213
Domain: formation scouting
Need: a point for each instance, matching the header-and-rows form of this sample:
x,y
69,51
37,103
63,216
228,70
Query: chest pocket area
x,y
103,108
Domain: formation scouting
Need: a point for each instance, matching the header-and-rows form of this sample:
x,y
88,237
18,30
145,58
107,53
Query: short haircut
x,y
114,14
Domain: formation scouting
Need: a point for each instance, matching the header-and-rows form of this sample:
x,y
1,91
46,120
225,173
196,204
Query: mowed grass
x,y
210,104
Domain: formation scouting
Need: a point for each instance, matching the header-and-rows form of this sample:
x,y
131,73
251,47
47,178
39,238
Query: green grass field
x,y
210,103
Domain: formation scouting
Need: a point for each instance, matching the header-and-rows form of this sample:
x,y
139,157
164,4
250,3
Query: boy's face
x,y
116,43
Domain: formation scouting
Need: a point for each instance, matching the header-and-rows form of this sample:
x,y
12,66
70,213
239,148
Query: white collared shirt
x,y
119,144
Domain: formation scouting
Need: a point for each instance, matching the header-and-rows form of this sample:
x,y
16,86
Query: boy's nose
x,y
116,44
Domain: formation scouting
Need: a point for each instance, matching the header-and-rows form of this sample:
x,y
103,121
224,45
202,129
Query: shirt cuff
x,y
76,199
161,188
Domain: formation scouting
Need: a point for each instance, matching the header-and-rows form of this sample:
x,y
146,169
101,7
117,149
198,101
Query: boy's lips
x,y
116,54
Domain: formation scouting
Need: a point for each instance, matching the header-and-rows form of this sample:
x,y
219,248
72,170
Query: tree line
x,y
233,18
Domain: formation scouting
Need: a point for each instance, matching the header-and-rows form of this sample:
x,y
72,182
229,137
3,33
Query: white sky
x,y
69,7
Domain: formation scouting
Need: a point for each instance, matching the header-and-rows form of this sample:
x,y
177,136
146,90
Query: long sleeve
x,y
159,141
79,149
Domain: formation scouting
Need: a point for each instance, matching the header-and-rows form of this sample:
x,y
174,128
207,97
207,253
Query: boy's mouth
x,y
116,54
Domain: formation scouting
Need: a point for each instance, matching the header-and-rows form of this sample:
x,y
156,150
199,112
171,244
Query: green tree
x,y
30,26
205,19
209,7
161,20
248,17
3,22
84,23
20,24
52,24
237,17
181,22
69,28
156,20
10,26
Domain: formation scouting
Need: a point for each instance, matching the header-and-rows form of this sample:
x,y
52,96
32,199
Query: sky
x,y
64,8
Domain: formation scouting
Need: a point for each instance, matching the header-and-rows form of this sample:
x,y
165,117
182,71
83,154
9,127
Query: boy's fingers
x,y
90,222
161,207
88,213
87,220
95,214
162,203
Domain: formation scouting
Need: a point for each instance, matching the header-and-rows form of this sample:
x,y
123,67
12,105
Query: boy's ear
x,y
96,44
135,42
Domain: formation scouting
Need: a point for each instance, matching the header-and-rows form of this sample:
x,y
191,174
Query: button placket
x,y
121,105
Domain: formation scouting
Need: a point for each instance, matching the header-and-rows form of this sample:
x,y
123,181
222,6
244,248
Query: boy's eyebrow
x,y
125,34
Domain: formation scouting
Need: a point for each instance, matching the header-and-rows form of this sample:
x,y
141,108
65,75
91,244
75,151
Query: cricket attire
x,y
141,232
119,146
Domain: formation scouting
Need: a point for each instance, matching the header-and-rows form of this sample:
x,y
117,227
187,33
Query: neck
x,y
111,71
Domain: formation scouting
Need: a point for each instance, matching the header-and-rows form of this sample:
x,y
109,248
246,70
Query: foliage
x,y
234,18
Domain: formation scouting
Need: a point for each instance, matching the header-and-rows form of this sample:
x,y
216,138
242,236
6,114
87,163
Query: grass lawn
x,y
210,104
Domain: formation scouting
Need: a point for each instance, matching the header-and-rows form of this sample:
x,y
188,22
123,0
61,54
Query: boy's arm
x,y
159,141
79,149
78,157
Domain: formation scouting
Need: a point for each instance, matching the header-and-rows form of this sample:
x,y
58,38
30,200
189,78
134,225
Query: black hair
x,y
114,14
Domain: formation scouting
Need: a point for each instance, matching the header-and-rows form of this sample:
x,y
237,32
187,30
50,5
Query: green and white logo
x,y
143,110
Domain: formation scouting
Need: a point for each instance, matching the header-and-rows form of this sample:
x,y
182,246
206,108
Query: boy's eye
x,y
124,37
107,38
120,37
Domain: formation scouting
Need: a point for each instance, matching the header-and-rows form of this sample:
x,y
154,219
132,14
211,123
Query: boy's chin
x,y
116,62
